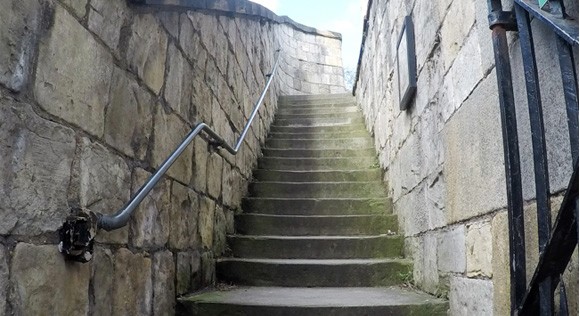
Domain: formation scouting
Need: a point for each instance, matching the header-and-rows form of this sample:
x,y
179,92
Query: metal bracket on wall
x,y
507,19
77,235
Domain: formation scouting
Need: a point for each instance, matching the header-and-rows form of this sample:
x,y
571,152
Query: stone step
x,y
307,99
301,164
318,176
279,206
319,110
342,143
315,247
345,128
319,121
331,114
315,225
280,301
312,272
374,189
318,153
357,133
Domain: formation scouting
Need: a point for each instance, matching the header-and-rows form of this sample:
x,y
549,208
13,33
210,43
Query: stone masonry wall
x,y
94,95
443,157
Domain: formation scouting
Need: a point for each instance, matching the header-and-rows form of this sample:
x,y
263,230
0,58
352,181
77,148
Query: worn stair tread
x,y
317,216
317,153
319,262
314,237
316,297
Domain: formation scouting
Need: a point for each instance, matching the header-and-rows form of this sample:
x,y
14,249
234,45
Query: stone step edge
x,y
315,237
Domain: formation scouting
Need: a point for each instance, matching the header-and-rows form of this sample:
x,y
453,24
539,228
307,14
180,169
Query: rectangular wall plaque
x,y
406,69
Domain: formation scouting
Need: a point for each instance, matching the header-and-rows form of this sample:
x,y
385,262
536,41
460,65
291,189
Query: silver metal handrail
x,y
121,218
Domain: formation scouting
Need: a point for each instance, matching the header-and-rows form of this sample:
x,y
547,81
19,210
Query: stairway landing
x,y
318,235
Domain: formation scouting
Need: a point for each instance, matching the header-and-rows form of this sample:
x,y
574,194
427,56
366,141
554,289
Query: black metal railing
x,y
557,242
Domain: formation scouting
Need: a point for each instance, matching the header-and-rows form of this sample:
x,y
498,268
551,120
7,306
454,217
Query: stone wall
x,y
443,156
94,94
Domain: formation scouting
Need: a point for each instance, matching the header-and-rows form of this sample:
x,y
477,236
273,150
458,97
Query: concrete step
x,y
373,189
343,143
318,176
357,133
319,110
322,98
280,301
345,128
312,273
279,206
302,164
318,153
319,121
339,114
316,247
315,225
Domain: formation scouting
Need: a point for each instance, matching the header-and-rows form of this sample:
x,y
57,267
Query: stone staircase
x,y
317,236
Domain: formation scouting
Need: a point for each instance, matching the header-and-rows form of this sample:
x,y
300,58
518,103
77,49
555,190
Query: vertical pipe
x,y
546,295
569,82
512,161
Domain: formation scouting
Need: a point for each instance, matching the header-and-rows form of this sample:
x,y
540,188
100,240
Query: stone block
x,y
38,286
4,277
219,231
146,51
451,250
425,270
471,143
106,19
73,74
479,250
178,87
190,42
188,272
206,221
150,222
103,270
170,20
129,117
104,184
183,216
19,26
457,24
214,175
77,6
500,264
163,284
133,292
471,297
36,156
169,131
201,153
207,269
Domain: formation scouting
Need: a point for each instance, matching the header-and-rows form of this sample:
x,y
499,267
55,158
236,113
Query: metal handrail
x,y
121,218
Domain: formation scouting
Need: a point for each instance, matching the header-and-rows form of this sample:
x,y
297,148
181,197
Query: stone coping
x,y
242,7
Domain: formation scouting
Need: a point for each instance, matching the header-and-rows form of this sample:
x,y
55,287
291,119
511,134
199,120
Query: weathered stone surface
x,y
103,270
214,175
188,272
133,292
19,22
73,74
479,250
150,222
183,216
129,118
206,221
169,131
458,22
190,41
163,284
77,6
104,185
4,277
451,250
219,231
41,277
425,270
201,153
178,87
35,169
471,139
471,297
106,19
147,50
500,264
207,268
